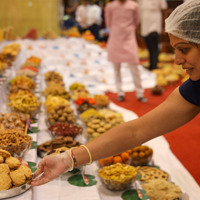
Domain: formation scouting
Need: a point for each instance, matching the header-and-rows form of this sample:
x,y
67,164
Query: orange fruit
x,y
106,162
117,159
125,156
129,151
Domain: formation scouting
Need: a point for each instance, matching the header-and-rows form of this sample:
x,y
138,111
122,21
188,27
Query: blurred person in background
x,y
81,15
122,19
89,18
94,19
69,17
151,27
104,32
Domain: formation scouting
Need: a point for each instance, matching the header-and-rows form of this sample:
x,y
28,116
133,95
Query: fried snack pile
x,y
118,176
56,90
15,141
75,86
101,100
88,114
12,172
53,76
54,101
159,189
13,120
11,49
80,93
23,82
24,102
118,172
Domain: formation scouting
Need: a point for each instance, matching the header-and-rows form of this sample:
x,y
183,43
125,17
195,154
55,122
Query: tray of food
x,y
65,129
15,175
15,191
162,189
55,143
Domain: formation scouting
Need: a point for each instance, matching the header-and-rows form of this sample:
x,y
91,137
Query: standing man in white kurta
x,y
151,27
122,19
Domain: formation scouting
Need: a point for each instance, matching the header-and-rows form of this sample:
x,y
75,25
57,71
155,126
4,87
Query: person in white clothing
x,y
151,27
80,15
89,18
94,20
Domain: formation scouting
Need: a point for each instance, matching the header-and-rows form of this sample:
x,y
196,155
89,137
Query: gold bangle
x,y
88,152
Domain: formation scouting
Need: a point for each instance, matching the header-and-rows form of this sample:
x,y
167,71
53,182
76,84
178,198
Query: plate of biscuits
x,y
15,175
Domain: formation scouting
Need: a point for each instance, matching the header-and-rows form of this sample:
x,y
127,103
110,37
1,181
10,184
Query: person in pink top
x,y
122,18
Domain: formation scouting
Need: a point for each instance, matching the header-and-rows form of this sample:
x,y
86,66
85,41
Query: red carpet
x,y
184,142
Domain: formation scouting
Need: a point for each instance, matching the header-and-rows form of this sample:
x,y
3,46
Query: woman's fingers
x,y
37,173
39,170
40,180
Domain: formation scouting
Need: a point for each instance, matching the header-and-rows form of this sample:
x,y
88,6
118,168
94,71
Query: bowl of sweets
x,y
141,155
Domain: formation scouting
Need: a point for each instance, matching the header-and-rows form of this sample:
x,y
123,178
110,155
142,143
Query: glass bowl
x,y
18,150
141,155
118,176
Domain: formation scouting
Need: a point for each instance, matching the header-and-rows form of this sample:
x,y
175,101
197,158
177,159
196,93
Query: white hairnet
x,y
184,21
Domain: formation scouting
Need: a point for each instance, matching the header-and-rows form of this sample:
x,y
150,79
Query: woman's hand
x,y
52,166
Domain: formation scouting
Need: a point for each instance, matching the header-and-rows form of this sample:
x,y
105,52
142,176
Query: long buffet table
x,y
79,61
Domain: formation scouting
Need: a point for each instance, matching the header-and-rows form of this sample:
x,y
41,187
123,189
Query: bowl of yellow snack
x,y
118,176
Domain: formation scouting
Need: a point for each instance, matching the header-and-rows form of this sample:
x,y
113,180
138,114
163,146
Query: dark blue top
x,y
190,90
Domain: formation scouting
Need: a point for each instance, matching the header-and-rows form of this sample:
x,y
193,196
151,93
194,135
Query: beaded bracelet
x,y
88,152
73,158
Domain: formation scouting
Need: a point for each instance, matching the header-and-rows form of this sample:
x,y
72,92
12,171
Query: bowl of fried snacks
x,y
118,176
24,102
16,142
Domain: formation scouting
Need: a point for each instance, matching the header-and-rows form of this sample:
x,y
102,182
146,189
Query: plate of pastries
x,y
15,175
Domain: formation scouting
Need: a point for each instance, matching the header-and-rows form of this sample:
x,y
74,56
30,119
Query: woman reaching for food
x,y
182,105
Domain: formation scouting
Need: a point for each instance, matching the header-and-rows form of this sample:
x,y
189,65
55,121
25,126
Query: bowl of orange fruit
x,y
124,157
141,155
